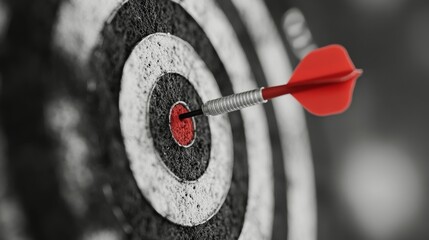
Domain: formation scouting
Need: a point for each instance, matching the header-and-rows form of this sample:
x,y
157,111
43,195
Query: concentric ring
x,y
187,203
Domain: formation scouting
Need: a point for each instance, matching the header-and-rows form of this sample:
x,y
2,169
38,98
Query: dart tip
x,y
191,114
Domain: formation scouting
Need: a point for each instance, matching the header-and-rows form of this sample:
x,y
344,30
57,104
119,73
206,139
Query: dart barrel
x,y
233,102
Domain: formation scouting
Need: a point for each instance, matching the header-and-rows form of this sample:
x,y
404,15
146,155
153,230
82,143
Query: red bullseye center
x,y
182,130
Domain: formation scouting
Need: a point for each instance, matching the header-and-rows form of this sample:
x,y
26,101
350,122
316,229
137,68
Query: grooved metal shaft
x,y
233,102
227,104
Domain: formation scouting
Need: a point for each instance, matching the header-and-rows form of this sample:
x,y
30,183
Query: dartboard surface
x,y
88,149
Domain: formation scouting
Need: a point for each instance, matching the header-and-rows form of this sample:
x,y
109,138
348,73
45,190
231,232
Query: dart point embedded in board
x,y
323,83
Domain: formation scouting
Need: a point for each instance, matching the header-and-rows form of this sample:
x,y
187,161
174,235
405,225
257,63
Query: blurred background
x,y
371,163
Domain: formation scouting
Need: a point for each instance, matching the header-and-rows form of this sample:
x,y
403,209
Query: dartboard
x,y
89,87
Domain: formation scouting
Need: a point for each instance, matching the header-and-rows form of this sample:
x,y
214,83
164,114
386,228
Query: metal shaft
x,y
228,104
233,102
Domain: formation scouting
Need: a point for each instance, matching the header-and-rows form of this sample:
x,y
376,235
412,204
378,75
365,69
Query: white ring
x,y
187,203
301,189
258,221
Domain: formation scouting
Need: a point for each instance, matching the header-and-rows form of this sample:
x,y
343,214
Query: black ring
x,y
187,163
280,224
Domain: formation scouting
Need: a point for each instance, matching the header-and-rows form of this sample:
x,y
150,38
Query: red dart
x,y
323,83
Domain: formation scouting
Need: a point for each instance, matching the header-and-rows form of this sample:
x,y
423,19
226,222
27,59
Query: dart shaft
x,y
228,104
233,102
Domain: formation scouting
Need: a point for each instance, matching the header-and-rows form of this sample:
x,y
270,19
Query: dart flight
x,y
323,82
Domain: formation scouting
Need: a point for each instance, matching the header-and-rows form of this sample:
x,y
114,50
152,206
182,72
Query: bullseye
x,y
182,131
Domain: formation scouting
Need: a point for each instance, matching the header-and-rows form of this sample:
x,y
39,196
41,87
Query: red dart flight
x,y
323,83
